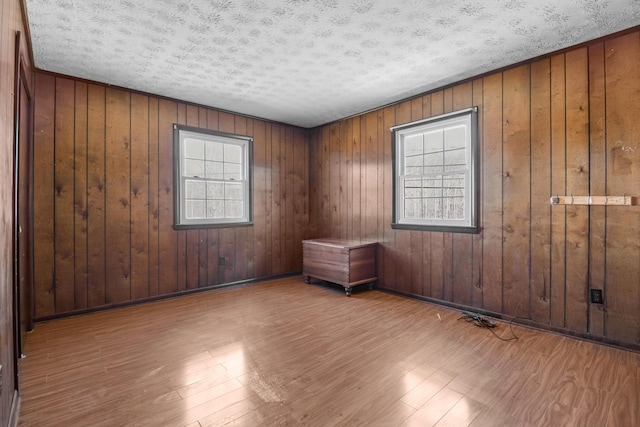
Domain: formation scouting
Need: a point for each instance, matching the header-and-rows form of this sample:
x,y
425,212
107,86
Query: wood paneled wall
x,y
104,199
565,124
11,21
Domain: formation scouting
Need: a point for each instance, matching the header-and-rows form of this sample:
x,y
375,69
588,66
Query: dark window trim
x,y
475,175
177,186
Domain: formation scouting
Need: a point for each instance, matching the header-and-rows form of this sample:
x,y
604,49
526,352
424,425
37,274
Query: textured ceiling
x,y
306,62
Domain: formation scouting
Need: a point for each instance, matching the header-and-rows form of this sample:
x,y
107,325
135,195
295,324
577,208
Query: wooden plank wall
x,y
564,124
11,20
103,203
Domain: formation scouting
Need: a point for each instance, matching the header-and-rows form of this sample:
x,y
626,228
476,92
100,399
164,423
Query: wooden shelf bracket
x,y
594,200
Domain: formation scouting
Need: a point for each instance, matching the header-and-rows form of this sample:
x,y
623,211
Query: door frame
x,y
23,144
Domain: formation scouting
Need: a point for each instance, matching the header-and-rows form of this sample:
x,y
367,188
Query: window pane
x,y
232,153
195,209
233,209
214,170
413,208
232,171
437,171
233,191
455,137
455,160
193,148
453,208
215,190
432,208
212,178
413,145
193,168
195,190
433,141
214,151
215,209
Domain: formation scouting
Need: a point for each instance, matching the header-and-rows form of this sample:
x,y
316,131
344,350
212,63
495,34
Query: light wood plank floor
x,y
283,353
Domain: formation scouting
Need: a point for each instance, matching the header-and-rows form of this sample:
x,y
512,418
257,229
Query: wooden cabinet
x,y
345,262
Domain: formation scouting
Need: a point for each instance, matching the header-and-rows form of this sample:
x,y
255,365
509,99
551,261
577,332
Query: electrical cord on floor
x,y
483,322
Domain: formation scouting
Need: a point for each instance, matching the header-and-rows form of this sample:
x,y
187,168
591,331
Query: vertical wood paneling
x,y
370,210
80,196
356,212
622,86
516,194
139,196
577,244
103,209
154,193
118,196
540,189
168,243
64,195
277,213
401,251
597,172
386,254
268,185
96,191
491,194
300,182
43,195
558,186
259,197
343,141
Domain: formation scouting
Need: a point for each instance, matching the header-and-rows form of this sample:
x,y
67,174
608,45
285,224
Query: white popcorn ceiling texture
x,y
306,62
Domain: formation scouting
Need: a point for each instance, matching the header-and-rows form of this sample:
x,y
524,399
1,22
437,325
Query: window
x,y
212,178
435,172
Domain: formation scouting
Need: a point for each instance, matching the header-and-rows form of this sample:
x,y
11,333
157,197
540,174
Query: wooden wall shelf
x,y
594,200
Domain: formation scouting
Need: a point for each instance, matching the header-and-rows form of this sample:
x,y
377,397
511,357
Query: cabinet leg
x,y
347,291
307,279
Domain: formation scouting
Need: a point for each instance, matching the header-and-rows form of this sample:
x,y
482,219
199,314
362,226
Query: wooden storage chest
x,y
345,262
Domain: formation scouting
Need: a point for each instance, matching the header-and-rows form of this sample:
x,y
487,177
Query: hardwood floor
x,y
283,353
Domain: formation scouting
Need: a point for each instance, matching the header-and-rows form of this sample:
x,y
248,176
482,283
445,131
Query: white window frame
x,y
468,223
182,219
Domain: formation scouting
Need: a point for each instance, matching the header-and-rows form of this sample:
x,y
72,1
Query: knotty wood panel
x,y
103,208
597,172
558,186
577,240
622,88
540,184
562,124
516,186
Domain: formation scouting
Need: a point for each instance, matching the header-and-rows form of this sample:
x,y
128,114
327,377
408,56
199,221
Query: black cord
x,y
483,322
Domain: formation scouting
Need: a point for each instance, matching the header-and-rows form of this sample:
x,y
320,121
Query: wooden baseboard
x,y
522,321
238,283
